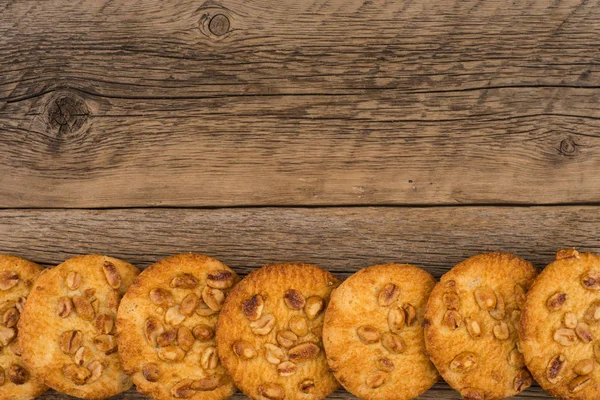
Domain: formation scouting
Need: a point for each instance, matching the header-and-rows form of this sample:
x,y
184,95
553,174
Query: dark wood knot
x,y
567,147
219,25
67,114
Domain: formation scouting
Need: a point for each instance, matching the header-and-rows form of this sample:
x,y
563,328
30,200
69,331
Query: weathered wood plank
x,y
315,103
342,240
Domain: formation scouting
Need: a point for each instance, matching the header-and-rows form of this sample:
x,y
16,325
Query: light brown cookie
x,y
560,326
269,333
373,336
67,326
471,326
166,325
16,280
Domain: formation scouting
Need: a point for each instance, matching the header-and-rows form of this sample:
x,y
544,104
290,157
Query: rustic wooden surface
x,y
470,125
115,103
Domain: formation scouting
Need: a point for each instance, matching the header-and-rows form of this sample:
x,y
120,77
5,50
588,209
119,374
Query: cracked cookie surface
x,y
269,333
17,277
560,326
471,326
373,335
67,328
166,325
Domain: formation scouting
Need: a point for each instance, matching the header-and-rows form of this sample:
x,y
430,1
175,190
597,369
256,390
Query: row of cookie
x,y
283,332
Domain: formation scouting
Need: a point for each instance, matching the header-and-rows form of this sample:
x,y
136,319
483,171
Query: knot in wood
x,y
567,147
219,25
67,114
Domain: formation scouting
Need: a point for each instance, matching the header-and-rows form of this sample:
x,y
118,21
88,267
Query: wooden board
x,y
342,240
116,103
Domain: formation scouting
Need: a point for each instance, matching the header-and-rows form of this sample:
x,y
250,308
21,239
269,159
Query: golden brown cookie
x,y
16,280
373,336
269,333
471,326
67,326
560,326
166,325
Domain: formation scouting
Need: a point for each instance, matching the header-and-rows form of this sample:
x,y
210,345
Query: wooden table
x,y
338,132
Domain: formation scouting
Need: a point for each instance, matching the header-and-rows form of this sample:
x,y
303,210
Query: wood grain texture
x,y
342,240
116,103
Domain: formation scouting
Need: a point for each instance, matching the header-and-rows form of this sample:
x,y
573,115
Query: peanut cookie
x,y
471,326
373,336
66,330
269,333
560,326
16,280
166,325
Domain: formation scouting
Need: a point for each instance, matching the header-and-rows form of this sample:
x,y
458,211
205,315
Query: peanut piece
x,y
470,393
184,281
11,317
485,298
273,354
20,304
170,353
294,299
501,331
570,320
151,372
522,381
591,280
84,308
206,384
393,343
189,304
579,383
82,356
556,366
105,343
396,319
473,326
213,298
271,391
70,341
203,310
388,295
161,297
287,368
298,325
104,323
78,375
7,335
596,348
556,301
96,368
8,280
452,320
209,359
203,332
112,275
221,279
368,334
264,325
185,339
303,352
376,379
584,367
451,301
173,316
565,337
592,313
244,349
515,359
307,386
17,374
411,314
499,312
167,338
73,280
314,306
253,307
583,332
286,338
385,364
464,362
152,328
567,253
